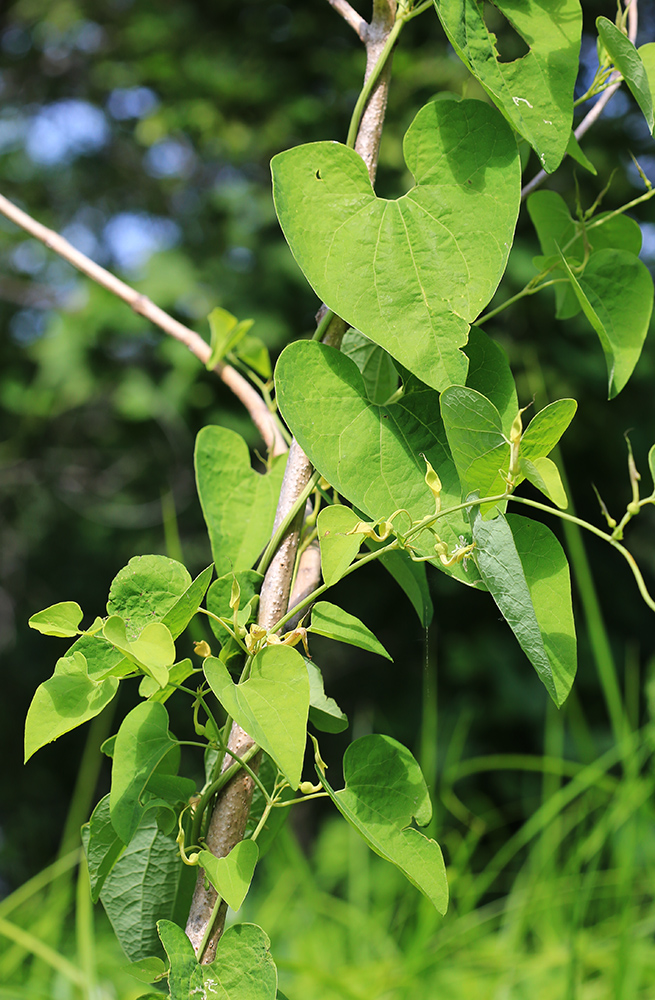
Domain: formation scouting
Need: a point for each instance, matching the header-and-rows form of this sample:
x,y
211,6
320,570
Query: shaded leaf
x,y
147,883
413,273
62,620
242,970
142,742
479,447
231,876
66,700
412,579
178,617
148,970
535,92
379,373
218,598
102,846
335,623
253,352
324,713
238,503
271,706
268,774
490,374
384,791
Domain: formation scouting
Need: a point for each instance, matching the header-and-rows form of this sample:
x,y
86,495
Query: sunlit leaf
x,y
627,60
146,590
338,547
231,876
62,620
335,623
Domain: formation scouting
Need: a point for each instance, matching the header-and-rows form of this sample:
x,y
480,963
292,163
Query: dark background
x,y
143,132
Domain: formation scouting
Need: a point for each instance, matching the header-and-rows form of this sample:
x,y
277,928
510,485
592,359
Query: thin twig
x,y
255,405
599,106
350,15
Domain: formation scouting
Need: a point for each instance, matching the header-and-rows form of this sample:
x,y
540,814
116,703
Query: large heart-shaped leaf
x,y
384,792
146,590
238,503
371,454
413,273
242,970
272,705
535,92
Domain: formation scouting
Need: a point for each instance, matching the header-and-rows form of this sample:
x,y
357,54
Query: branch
x,y
355,20
255,405
233,807
599,106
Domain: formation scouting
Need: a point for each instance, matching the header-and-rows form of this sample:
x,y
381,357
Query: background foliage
x,y
145,137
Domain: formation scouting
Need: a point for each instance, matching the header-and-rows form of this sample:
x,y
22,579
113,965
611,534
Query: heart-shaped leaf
x,y
66,700
242,970
335,623
153,650
231,876
616,295
535,92
338,547
627,60
271,706
238,503
371,454
146,590
413,273
384,791
142,742
62,620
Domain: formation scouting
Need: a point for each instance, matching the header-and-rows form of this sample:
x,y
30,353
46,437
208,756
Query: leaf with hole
x,y
384,792
535,92
411,274
271,706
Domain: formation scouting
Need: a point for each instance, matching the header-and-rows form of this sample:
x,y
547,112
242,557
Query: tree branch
x,y
350,15
274,597
255,405
597,110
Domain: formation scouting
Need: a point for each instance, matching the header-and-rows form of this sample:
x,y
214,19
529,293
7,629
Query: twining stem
x,y
216,786
284,525
370,83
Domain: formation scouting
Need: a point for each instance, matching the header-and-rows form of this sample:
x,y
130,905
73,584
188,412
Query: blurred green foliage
x,y
144,135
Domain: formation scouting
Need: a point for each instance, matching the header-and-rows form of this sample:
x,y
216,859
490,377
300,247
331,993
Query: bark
x,y
233,804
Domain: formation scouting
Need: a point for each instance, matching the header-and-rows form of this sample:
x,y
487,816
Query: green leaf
x,y
616,295
338,548
271,706
147,883
226,332
242,970
62,620
324,713
535,92
628,61
177,674
411,578
379,373
218,598
253,352
102,846
647,56
268,774
384,791
490,374
501,567
179,616
574,150
238,503
547,574
231,876
557,230
544,474
148,970
153,650
335,623
142,742
371,454
546,428
480,450
66,700
146,590
651,463
413,273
